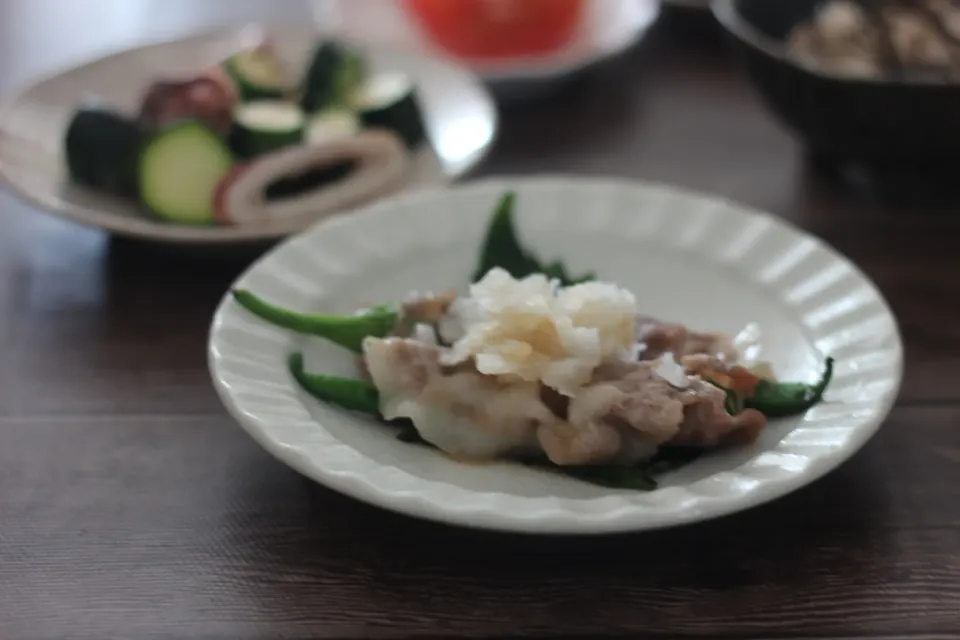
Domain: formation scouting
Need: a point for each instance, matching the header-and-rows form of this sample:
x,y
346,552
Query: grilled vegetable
x,y
671,458
639,477
179,170
346,331
502,248
257,73
354,395
734,401
613,477
263,126
389,101
332,125
101,148
781,399
334,74
558,271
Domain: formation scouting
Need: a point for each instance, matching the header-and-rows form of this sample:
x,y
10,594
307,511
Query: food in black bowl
x,y
868,83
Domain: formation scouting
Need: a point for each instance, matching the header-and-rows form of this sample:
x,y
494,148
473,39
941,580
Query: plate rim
x,y
561,522
553,67
185,234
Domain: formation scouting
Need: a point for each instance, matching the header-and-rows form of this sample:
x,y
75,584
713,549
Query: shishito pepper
x,y
355,395
501,248
781,399
346,331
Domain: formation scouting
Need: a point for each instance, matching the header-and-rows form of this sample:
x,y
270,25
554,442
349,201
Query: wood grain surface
x,y
132,507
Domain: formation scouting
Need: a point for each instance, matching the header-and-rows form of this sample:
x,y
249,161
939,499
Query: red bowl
x,y
484,30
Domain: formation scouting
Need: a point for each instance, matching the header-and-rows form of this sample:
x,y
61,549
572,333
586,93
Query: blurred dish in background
x,y
147,142
538,43
916,40
897,134
481,31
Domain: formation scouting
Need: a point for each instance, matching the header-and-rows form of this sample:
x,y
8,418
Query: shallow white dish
x,y
610,27
698,260
460,115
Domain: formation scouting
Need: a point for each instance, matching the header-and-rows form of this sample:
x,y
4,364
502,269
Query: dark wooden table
x,y
132,507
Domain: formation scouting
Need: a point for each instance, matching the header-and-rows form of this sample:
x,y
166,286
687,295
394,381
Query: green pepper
x,y
671,458
355,395
638,477
613,476
782,399
734,403
643,476
346,331
557,271
502,248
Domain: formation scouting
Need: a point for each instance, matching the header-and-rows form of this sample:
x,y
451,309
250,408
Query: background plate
x,y
610,28
694,259
460,114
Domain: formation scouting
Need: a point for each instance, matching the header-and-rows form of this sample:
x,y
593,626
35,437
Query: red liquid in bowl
x,y
491,29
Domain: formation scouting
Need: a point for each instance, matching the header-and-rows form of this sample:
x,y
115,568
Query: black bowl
x,y
886,125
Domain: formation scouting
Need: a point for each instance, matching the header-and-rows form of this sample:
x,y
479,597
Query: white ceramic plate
x,y
694,259
460,115
610,27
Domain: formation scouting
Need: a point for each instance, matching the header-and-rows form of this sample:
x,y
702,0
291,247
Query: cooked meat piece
x,y
598,429
734,377
428,308
459,410
707,424
634,395
622,416
555,401
628,411
659,338
590,443
699,363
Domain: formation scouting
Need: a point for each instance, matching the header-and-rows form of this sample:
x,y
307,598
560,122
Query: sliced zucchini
x,y
179,170
266,125
333,124
333,75
257,73
389,100
101,148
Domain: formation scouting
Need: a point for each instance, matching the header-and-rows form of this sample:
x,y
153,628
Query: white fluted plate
x,y
702,261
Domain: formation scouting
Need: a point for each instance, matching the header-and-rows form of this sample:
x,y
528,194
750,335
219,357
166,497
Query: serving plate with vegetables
x,y
567,355
237,135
